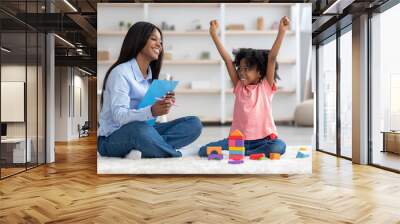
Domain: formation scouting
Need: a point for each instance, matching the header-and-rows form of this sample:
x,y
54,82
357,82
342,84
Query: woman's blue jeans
x,y
158,141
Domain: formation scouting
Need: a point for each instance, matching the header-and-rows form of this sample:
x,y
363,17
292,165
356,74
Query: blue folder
x,y
157,89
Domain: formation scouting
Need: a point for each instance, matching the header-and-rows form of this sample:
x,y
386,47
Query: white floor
x,y
190,163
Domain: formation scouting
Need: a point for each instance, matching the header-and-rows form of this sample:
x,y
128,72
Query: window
x,y
385,89
327,97
346,94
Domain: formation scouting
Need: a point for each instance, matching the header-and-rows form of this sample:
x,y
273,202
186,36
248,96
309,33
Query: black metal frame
x,y
37,164
335,37
338,98
0,91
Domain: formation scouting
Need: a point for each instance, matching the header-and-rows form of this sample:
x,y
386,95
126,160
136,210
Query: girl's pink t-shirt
x,y
252,113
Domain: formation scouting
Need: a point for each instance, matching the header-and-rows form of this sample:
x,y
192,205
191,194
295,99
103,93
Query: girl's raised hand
x,y
213,27
284,23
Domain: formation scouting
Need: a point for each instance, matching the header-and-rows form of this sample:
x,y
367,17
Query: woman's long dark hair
x,y
134,42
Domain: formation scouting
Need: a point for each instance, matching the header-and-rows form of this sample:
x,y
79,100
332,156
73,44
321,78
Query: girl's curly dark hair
x,y
255,58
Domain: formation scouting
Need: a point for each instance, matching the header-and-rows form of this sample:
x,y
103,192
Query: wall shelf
x,y
254,32
166,5
197,91
192,62
175,62
122,33
282,90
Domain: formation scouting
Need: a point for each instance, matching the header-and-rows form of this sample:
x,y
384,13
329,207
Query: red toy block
x,y
257,156
236,157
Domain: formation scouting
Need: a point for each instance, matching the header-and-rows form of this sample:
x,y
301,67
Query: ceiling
x,y
76,22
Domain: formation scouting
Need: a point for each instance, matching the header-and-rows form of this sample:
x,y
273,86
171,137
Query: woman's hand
x,y
284,24
163,106
213,27
171,97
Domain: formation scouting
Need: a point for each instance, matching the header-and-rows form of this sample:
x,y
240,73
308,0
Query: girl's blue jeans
x,y
264,145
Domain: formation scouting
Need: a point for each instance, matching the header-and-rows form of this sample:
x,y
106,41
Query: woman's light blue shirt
x,y
124,90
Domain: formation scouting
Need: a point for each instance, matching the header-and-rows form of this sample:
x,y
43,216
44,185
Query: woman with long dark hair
x,y
123,127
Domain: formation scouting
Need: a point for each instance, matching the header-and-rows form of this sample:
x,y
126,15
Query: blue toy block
x,y
301,155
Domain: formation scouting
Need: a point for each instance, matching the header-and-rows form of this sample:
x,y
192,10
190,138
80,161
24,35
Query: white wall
x,y
61,103
305,47
67,114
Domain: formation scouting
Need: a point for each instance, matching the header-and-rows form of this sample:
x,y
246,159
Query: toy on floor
x,y
214,153
235,161
274,156
215,157
301,155
236,147
303,148
257,156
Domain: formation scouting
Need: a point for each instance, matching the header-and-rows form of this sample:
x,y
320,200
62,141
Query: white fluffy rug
x,y
190,163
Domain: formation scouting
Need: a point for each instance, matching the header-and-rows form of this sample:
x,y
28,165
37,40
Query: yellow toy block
x,y
211,149
303,148
237,148
274,156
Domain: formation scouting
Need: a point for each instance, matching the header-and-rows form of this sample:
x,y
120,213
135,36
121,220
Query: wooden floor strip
x,y
70,191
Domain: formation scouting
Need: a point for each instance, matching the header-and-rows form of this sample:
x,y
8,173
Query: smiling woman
x,y
123,127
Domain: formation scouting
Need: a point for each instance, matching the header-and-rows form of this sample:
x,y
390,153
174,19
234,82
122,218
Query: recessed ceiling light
x,y
5,50
337,7
64,40
70,5
84,71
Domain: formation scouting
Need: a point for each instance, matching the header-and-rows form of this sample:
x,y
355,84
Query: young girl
x,y
254,81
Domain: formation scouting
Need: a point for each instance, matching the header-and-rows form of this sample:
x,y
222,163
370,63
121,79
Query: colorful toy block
x,y
235,161
274,156
236,134
236,157
214,150
231,141
236,147
301,155
214,156
303,148
257,156
236,152
239,143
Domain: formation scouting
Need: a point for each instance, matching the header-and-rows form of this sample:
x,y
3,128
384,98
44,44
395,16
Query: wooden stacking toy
x,y
236,147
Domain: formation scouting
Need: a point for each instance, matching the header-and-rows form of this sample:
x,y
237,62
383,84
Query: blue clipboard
x,y
157,89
